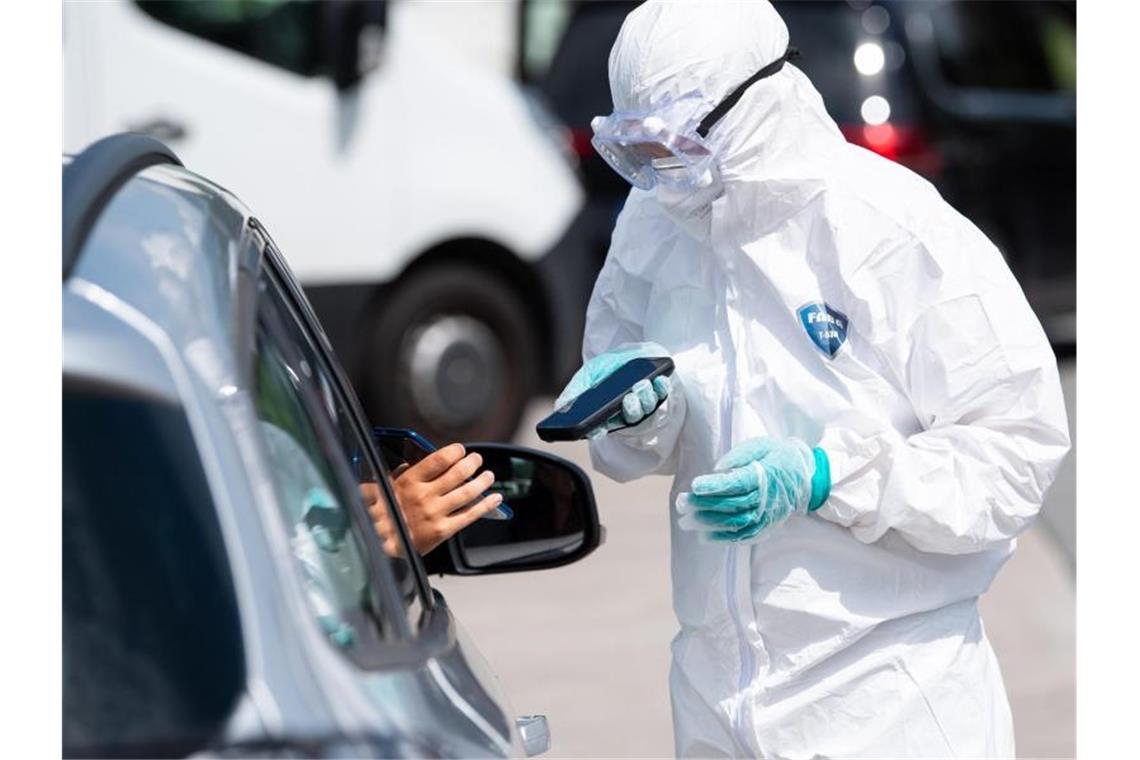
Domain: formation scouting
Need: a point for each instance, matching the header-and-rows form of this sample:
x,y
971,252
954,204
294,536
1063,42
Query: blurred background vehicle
x,y
978,97
224,589
429,204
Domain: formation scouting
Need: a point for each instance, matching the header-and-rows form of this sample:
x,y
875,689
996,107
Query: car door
x,y
453,707
153,654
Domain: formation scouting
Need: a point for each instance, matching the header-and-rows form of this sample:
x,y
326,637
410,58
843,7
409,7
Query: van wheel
x,y
453,354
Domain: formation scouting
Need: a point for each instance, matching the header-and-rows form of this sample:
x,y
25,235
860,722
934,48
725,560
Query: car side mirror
x,y
554,522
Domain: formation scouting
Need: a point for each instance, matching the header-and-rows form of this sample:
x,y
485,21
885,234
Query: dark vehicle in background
x,y
978,97
224,589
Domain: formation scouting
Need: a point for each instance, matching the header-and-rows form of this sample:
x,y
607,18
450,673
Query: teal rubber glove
x,y
760,483
638,404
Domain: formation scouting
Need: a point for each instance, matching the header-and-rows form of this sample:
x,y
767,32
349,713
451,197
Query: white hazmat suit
x,y
852,631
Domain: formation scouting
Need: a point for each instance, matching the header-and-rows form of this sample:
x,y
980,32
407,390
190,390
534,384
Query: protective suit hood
x,y
779,130
667,49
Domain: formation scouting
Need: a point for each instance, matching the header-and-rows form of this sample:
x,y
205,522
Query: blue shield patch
x,y
826,327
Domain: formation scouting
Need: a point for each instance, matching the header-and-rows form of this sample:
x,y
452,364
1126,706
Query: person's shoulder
x,y
898,243
882,192
884,201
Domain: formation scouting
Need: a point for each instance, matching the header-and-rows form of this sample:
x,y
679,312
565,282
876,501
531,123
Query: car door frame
x,y
433,648
273,260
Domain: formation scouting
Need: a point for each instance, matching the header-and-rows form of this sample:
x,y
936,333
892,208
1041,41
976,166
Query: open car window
x,y
326,487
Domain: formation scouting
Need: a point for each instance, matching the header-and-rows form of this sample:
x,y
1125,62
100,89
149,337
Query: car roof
x,y
159,259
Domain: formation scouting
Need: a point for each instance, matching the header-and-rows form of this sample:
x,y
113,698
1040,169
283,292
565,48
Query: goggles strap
x,y
723,107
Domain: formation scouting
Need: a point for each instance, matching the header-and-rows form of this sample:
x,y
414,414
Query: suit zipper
x,y
747,656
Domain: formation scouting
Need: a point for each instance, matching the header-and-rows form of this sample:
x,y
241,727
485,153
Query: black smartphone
x,y
401,446
595,406
405,446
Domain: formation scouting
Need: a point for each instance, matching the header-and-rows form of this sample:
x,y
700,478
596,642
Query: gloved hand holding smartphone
x,y
639,375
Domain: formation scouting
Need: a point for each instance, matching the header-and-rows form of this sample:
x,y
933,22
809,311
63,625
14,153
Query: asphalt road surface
x,y
588,645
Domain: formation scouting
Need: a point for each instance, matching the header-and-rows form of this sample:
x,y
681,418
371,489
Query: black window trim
x,y
273,262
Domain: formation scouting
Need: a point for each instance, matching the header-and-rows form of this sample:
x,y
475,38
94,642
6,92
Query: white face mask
x,y
692,209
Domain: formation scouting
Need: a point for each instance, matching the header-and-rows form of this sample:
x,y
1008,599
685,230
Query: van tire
x,y
465,303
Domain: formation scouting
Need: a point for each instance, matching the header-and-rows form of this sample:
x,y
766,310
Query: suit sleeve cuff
x,y
820,480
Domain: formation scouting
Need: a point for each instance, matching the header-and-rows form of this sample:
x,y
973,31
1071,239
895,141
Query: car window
x,y
324,483
543,25
306,37
1007,45
281,33
153,662
567,47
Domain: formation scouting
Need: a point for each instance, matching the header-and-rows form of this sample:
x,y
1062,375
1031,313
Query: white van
x,y
397,160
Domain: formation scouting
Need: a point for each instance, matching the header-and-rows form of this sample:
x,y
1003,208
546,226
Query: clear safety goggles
x,y
669,144
658,147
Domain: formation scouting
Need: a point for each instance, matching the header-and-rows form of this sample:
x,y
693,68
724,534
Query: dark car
x,y
224,589
980,96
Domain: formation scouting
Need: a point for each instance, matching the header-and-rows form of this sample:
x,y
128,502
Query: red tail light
x,y
905,144
580,141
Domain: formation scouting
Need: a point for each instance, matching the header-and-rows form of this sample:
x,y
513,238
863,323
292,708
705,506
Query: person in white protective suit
x,y
864,413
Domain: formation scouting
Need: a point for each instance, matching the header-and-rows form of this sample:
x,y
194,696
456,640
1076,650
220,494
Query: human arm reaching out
x,y
435,498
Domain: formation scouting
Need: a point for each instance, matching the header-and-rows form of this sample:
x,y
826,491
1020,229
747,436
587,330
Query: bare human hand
x,y
436,498
381,519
